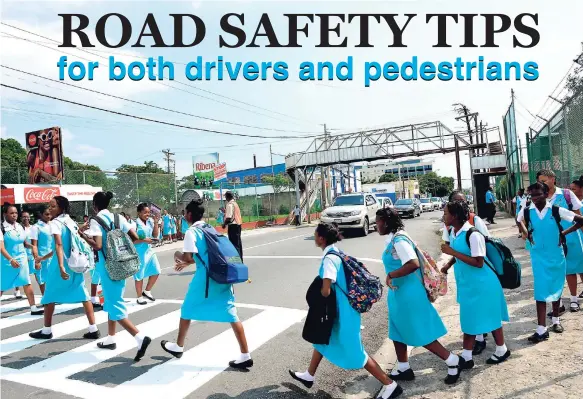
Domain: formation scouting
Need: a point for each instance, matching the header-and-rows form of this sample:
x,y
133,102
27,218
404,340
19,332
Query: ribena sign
x,y
204,167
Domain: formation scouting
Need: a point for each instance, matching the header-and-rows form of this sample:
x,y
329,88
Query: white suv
x,y
353,211
426,205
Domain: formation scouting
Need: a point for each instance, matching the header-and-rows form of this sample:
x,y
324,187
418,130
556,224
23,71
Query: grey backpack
x,y
121,258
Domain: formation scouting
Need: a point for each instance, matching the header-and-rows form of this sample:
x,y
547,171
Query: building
x,y
254,175
407,170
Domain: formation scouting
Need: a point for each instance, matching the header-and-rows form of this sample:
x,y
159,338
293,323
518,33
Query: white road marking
x,y
26,316
9,307
274,242
303,257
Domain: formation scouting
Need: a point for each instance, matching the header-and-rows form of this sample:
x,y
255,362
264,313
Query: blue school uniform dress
x,y
13,237
173,225
183,225
167,227
547,256
41,232
113,291
575,239
220,304
29,255
149,265
345,348
412,318
58,290
479,293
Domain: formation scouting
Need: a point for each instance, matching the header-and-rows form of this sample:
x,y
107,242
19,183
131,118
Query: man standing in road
x,y
297,215
233,222
491,205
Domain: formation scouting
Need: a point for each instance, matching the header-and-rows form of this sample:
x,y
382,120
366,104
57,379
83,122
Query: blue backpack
x,y
225,264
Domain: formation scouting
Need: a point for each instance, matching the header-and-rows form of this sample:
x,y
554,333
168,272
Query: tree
x,y
13,160
278,182
388,178
143,183
436,185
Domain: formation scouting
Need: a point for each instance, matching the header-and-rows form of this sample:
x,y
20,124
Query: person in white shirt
x,y
297,215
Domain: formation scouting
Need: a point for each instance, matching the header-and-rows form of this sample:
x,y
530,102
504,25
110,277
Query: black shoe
x,y
40,335
97,307
452,379
141,303
479,347
574,307
561,312
151,298
396,393
92,335
498,359
142,351
37,312
536,337
557,328
407,375
307,384
467,364
101,345
177,355
244,365
581,294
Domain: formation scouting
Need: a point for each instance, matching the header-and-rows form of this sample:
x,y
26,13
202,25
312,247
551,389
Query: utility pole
x,y
271,156
323,172
168,154
172,171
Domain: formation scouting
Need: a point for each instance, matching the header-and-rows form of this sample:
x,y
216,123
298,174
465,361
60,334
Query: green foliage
x,y
436,185
284,210
13,155
278,182
388,178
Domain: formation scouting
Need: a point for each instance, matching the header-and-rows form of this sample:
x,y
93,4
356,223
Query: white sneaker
x,y
141,301
17,294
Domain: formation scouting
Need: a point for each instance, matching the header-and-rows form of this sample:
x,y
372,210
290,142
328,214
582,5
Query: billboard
x,y
220,172
44,156
203,167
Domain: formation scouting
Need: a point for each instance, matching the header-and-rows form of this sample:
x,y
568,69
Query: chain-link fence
x,y
513,159
558,146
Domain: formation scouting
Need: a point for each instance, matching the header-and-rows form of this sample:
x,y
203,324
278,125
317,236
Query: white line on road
x,y
26,317
9,307
302,257
275,242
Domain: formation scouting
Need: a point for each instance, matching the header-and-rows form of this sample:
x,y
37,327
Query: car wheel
x,y
365,227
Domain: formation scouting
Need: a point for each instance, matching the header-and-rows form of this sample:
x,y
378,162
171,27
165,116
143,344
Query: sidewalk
x,y
551,369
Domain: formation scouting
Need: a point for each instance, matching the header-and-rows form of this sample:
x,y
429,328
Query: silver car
x,y
353,211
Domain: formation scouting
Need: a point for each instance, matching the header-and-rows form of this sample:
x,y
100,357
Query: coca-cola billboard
x,y
39,195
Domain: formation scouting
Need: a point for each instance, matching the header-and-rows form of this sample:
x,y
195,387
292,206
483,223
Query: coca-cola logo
x,y
39,195
32,140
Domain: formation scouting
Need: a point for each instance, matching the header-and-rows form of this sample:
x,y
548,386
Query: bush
x,y
284,210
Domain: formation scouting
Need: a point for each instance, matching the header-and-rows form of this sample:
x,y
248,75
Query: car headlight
x,y
355,213
325,214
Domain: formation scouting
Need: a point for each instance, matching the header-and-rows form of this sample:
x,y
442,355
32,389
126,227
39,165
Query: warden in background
x,y
297,215
233,222
491,205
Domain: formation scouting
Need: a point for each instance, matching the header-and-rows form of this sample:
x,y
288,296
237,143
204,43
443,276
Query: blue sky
x,y
107,140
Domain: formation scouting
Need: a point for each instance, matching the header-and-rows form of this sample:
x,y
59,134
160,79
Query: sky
x,y
285,108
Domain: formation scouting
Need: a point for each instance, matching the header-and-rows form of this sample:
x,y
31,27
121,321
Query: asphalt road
x,y
282,263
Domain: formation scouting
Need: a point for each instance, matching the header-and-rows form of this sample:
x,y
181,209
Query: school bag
x,y
225,264
81,259
434,281
364,289
556,215
499,258
121,257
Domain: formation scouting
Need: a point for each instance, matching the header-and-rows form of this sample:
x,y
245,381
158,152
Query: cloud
x,y
83,151
7,135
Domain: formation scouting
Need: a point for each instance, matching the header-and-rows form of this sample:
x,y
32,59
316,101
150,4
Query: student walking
x,y
14,261
577,189
219,306
147,228
547,254
479,293
113,291
62,284
233,222
183,226
574,256
173,228
25,222
416,327
166,226
42,247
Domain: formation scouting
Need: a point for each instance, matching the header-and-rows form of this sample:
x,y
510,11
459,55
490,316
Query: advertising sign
x,y
203,166
220,172
44,156
40,195
7,196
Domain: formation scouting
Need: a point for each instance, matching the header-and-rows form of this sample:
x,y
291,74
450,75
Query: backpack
x,y
225,264
81,258
364,289
556,216
434,281
121,257
499,258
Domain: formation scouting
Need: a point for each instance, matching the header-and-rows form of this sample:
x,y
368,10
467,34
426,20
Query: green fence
x,y
558,146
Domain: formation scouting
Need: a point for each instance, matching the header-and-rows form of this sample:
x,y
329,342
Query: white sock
x,y
388,390
139,339
500,350
147,293
109,340
93,328
95,300
467,355
574,299
33,308
480,338
540,330
556,320
243,357
171,346
305,376
142,300
46,330
452,360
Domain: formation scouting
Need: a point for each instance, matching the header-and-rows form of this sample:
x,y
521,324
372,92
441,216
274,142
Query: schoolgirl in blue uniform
x,y
146,228
219,306
166,225
416,327
25,221
113,291
14,261
62,284
184,226
42,246
547,255
574,258
479,293
345,348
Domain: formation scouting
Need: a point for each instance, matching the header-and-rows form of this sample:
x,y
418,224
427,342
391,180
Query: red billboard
x,y
7,196
44,156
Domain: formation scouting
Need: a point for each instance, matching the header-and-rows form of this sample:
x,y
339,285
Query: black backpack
x,y
500,258
556,216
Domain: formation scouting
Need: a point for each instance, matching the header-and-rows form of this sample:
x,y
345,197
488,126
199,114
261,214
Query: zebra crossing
x,y
170,378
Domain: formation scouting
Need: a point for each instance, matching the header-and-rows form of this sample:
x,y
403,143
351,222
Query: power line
x,y
144,118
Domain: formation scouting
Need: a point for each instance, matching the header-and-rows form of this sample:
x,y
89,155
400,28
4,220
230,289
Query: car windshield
x,y
425,200
349,200
404,202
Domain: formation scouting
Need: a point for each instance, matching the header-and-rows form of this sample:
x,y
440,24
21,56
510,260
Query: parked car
x,y
385,202
437,204
353,212
426,205
408,207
